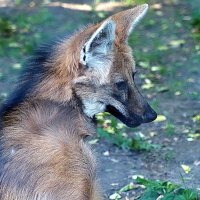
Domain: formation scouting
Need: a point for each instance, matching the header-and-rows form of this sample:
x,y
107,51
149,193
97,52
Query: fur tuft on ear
x,y
96,51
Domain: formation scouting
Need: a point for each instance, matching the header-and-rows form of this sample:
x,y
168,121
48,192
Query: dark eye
x,y
122,85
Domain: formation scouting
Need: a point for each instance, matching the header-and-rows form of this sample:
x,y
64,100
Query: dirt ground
x,y
179,103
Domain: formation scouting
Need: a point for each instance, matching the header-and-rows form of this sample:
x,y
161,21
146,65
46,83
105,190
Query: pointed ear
x,y
127,20
97,50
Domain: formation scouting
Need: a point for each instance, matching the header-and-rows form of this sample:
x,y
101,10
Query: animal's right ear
x,y
97,50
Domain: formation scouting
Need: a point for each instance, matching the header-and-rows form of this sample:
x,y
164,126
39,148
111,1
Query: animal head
x,y
95,65
105,80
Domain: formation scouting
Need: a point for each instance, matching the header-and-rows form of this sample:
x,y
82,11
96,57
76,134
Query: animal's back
x,y
44,155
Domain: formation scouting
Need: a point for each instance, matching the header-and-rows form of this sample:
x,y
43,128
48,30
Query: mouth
x,y
132,122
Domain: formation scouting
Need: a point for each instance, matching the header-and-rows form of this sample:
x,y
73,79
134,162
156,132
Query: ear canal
x,y
103,36
99,45
127,20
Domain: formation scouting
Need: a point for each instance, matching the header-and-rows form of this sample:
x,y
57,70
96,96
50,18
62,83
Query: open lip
x,y
136,120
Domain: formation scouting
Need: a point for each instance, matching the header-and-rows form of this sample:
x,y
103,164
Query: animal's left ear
x,y
97,50
127,20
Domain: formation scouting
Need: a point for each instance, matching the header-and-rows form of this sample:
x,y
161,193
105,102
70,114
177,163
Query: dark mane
x,y
33,72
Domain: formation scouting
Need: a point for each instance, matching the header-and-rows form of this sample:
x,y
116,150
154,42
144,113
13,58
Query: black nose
x,y
149,115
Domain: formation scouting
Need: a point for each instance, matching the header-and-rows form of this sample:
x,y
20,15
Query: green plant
x,y
7,27
157,190
169,129
166,190
196,25
112,130
195,22
19,35
116,132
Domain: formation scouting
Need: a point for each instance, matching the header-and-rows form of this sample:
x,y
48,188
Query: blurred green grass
x,y
19,34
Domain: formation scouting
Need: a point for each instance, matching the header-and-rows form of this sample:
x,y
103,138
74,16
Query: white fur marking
x,y
102,71
87,45
100,56
98,59
92,108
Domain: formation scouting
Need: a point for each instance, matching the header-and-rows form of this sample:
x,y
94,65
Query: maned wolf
x,y
44,155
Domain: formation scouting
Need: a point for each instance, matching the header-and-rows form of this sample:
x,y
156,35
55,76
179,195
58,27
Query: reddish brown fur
x,y
47,154
44,153
125,65
65,67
